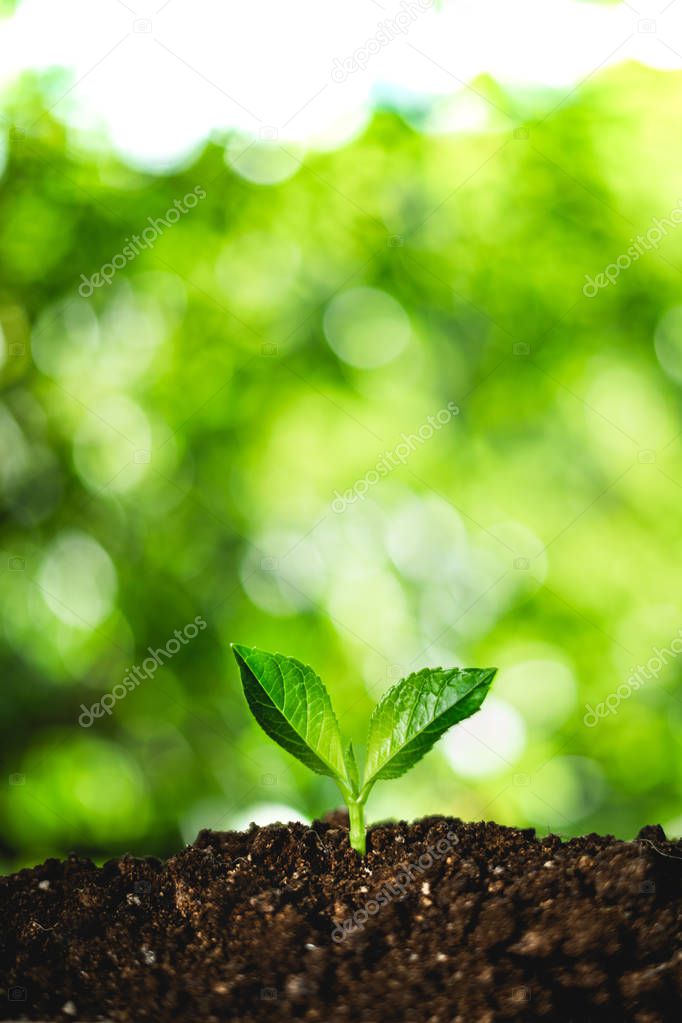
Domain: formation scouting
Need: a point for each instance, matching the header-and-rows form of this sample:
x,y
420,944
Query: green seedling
x,y
291,704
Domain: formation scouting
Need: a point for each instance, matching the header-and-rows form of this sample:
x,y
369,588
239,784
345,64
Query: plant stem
x,y
356,813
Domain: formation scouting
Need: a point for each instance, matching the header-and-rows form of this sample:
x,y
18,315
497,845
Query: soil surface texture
x,y
442,922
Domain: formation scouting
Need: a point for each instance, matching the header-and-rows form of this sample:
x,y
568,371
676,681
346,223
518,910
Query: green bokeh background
x,y
171,447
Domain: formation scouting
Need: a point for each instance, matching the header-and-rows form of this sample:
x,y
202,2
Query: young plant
x,y
292,706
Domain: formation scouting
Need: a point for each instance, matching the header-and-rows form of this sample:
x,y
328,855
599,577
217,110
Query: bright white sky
x,y
160,75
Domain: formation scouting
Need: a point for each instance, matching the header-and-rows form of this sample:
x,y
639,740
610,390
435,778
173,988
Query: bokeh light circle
x,y
262,162
543,690
366,327
78,580
668,343
488,743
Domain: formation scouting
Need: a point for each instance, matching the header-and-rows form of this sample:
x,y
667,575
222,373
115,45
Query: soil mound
x,y
442,922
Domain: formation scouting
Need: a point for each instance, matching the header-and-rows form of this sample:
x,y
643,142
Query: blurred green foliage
x,y
171,447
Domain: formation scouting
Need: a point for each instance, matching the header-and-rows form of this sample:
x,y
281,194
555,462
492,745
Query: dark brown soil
x,y
288,923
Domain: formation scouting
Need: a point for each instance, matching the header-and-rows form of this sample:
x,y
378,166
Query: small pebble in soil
x,y
69,1008
296,987
44,885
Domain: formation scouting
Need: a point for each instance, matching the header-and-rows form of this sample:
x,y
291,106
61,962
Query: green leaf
x,y
292,706
415,712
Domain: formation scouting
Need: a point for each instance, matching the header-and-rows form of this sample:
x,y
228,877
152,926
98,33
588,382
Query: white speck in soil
x,y
309,947
441,957
549,863
426,888
133,900
44,885
69,1008
148,955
